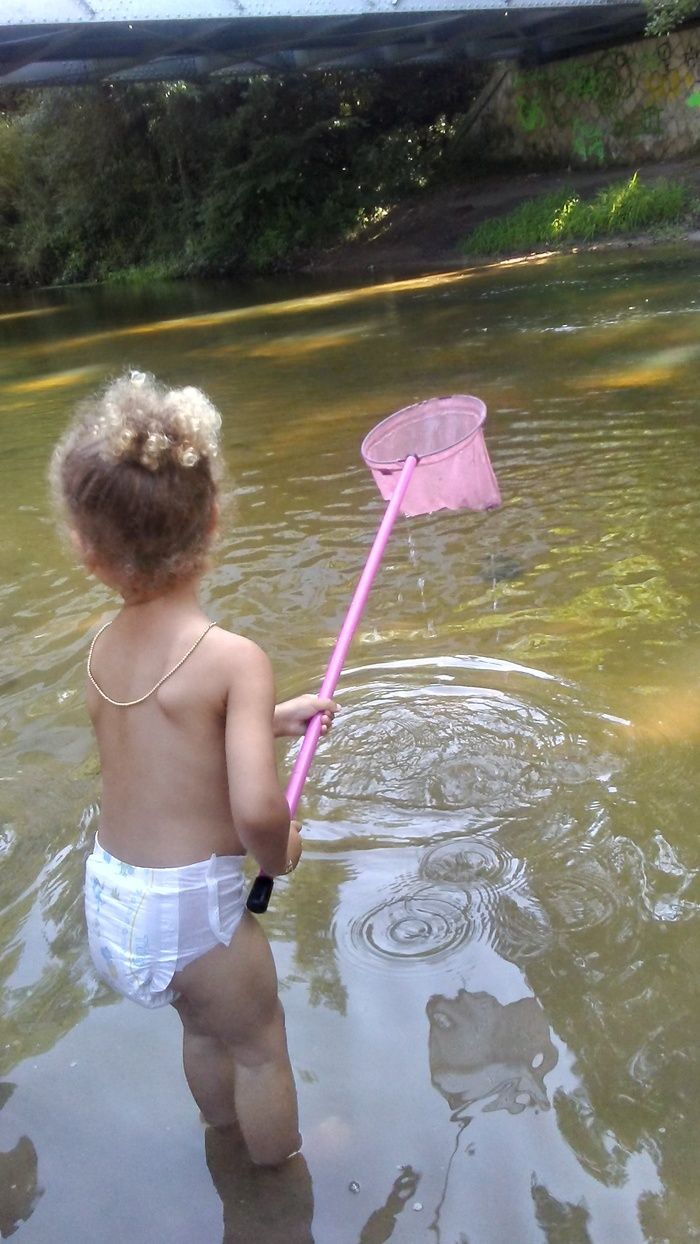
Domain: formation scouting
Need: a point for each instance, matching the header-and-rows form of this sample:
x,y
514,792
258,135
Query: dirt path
x,y
425,233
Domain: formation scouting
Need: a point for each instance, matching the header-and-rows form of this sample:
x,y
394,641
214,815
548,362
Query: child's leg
x,y
235,1047
209,1070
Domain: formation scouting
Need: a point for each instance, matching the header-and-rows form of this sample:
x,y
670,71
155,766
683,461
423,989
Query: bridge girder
x,y
51,42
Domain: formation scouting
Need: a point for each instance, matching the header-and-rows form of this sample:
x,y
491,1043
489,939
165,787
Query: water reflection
x,y
45,970
380,1225
269,1205
561,1222
482,1051
510,801
634,1073
19,1179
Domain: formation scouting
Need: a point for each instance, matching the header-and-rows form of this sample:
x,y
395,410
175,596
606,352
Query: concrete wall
x,y
634,103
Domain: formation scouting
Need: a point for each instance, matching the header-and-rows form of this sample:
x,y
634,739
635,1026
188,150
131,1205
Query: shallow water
x,y
489,958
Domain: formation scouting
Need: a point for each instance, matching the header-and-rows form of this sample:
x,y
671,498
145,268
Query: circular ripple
x,y
422,925
466,862
519,931
425,736
583,899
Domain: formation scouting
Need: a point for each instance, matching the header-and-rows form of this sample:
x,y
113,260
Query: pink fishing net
x,y
446,435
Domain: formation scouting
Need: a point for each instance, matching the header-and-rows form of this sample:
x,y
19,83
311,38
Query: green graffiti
x,y
531,79
649,59
588,141
599,82
530,113
600,89
639,123
650,120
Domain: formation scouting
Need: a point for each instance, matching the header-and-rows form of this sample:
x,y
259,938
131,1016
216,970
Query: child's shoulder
x,y
243,670
236,653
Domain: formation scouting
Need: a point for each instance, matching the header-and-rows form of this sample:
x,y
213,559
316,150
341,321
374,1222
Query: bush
x,y
241,175
663,16
9,193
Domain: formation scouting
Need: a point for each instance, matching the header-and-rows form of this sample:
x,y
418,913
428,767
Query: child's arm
x,y
258,806
293,716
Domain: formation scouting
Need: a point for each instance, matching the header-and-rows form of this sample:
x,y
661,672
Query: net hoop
x,y
442,440
471,410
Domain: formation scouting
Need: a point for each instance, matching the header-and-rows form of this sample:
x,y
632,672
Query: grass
x,y
147,274
554,219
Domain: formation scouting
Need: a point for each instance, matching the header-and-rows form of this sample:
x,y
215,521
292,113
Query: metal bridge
x,y
48,42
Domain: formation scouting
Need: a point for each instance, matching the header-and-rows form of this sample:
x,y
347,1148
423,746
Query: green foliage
x,y
88,188
143,274
100,182
663,16
552,219
9,191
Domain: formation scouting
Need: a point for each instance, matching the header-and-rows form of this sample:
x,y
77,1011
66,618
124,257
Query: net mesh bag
x,y
446,435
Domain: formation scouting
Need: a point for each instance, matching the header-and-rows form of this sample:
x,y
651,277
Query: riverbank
x,y
428,232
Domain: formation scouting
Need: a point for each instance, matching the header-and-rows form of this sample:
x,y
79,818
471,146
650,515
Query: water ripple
x,y
472,861
427,924
520,930
459,736
581,891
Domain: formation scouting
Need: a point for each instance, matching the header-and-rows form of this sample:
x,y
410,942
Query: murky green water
x,y
489,959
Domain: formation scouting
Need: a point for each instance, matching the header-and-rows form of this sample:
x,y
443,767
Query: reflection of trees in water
x,y
637,1087
622,994
41,920
306,921
380,1225
561,1222
597,904
19,1183
483,1051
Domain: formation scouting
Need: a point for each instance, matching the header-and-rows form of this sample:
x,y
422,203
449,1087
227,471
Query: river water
x,y
489,958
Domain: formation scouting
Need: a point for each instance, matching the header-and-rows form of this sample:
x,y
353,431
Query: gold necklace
x,y
131,703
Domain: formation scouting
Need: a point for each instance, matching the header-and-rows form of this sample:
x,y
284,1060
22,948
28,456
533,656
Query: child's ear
x,y
214,520
82,549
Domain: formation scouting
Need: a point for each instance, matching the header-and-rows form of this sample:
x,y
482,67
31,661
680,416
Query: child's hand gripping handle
x,y
260,894
261,888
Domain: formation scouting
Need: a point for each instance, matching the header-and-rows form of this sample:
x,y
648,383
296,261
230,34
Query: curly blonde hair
x,y
136,476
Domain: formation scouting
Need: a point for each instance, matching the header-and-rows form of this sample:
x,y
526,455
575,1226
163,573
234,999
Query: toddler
x,y
185,719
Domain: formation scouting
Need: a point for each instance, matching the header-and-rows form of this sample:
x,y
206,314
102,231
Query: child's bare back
x,y
185,718
181,779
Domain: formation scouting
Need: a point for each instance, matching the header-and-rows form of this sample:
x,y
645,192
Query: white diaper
x,y
145,924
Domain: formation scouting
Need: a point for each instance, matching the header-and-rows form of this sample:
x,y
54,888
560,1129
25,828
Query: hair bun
x,y
140,420
136,476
